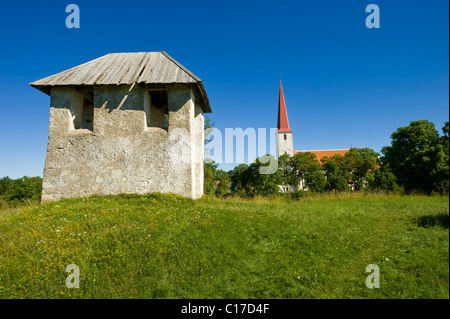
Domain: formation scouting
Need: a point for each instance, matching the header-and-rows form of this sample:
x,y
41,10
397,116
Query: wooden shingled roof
x,y
126,68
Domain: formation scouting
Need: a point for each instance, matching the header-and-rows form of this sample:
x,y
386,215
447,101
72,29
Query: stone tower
x,y
125,123
285,143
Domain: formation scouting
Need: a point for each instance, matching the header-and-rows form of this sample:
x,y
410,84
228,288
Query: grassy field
x,y
164,246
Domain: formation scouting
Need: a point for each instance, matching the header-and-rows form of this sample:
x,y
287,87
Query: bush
x,y
14,192
316,182
298,194
384,180
216,182
337,183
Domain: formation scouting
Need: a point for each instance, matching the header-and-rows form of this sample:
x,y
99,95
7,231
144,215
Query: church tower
x,y
285,143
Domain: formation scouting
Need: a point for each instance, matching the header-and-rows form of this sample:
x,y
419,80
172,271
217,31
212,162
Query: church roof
x,y
325,153
126,68
283,121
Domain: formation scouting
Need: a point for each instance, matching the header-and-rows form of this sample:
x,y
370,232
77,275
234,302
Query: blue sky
x,y
344,84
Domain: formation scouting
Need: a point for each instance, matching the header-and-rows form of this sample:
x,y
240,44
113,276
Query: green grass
x,y
164,246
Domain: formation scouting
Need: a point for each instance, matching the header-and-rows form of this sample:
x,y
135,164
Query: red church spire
x,y
283,122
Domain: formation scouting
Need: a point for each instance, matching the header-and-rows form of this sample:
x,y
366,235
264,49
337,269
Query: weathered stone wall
x,y
285,146
122,154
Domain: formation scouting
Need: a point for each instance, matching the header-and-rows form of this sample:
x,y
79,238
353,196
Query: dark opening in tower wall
x,y
82,112
87,119
157,110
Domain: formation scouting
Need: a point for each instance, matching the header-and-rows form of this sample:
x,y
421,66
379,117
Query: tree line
x,y
416,161
14,192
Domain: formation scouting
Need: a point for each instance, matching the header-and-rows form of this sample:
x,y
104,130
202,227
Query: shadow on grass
x,y
438,220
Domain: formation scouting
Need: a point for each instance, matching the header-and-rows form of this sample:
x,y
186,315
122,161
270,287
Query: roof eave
x,y
284,130
206,109
43,88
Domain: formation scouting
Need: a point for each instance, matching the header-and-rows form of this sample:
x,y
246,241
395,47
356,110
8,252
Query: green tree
x,y
417,157
208,123
239,177
263,184
307,168
385,180
363,164
337,183
209,171
286,170
5,184
316,181
222,180
338,172
16,191
209,166
443,185
216,182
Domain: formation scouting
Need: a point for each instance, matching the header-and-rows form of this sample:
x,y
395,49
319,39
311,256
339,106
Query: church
x,y
285,140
